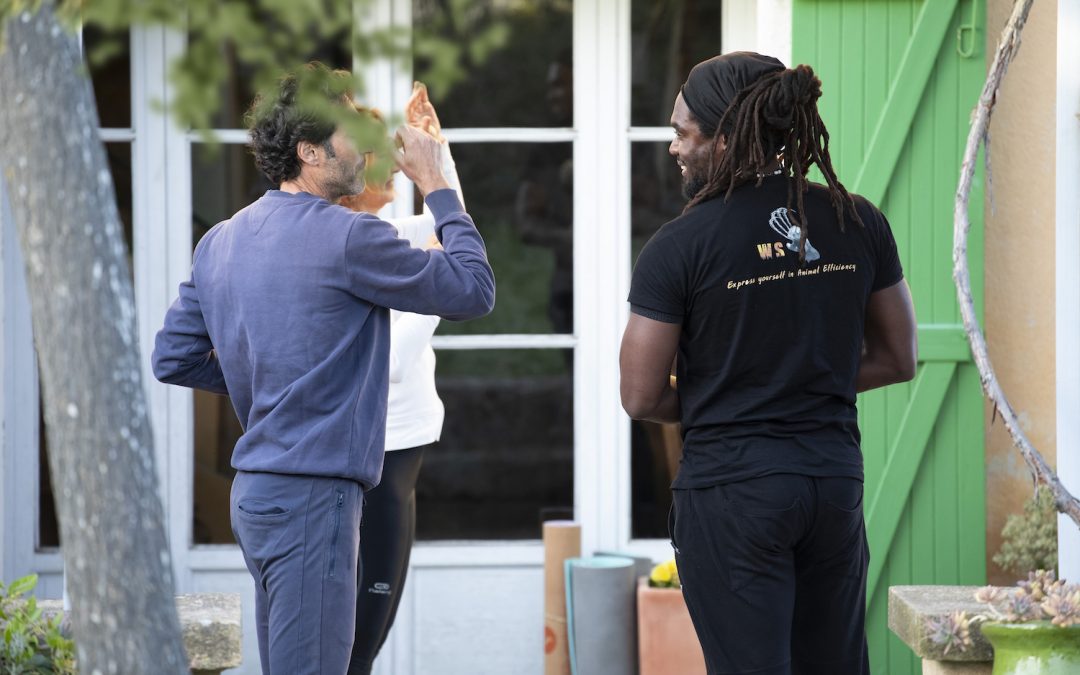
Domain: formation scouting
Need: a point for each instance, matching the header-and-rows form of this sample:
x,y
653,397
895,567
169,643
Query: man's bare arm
x,y
648,349
891,346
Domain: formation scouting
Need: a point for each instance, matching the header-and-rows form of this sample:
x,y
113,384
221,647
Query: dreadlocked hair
x,y
775,118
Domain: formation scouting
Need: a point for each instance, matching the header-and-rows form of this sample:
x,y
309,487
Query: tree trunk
x,y
119,571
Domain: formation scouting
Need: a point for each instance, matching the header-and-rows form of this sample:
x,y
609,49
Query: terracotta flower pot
x,y
1037,648
667,642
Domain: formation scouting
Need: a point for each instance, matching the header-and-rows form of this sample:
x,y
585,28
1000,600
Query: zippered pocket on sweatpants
x,y
334,529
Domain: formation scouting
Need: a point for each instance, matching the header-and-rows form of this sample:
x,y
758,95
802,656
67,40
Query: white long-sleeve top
x,y
415,413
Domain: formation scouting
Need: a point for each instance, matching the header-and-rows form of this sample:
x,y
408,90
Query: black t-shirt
x,y
769,349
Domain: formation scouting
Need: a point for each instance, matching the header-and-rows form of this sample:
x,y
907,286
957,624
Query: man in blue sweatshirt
x,y
287,313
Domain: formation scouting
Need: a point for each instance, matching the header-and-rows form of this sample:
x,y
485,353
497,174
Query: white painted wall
x,y
5,453
774,29
762,26
1067,283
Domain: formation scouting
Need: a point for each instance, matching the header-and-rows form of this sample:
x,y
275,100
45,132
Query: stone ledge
x,y
211,629
911,606
211,625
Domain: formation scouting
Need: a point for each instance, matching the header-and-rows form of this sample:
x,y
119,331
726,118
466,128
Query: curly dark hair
x,y
296,110
775,117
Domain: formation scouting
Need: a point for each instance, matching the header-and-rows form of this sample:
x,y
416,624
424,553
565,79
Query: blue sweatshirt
x,y
286,312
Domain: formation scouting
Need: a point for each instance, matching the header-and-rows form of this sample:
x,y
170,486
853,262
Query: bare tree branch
x,y
1008,45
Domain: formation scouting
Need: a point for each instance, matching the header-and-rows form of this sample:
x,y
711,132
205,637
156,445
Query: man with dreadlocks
x,y
774,336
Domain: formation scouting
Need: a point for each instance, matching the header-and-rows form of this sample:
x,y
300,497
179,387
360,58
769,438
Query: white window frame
x,y
20,406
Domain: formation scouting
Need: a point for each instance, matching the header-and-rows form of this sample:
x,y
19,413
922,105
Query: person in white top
x,y
414,419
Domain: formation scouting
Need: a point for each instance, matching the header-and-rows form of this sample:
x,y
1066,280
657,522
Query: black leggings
x,y
386,538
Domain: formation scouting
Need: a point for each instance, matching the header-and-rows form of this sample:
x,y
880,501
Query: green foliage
x,y
1029,540
489,65
256,41
31,643
454,36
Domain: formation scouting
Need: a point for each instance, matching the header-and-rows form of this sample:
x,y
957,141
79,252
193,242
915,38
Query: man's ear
x,y
308,153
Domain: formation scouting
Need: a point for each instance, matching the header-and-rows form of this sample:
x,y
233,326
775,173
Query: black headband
x,y
712,85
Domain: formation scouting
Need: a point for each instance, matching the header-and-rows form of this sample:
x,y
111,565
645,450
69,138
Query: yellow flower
x,y
665,575
661,574
675,583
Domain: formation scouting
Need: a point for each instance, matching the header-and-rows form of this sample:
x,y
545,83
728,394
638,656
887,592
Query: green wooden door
x,y
899,81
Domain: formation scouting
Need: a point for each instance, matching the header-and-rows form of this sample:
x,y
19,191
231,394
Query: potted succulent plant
x,y
1033,628
667,642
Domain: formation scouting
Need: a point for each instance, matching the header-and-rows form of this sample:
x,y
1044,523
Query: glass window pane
x,y
504,463
109,57
655,191
216,431
491,63
119,158
666,40
655,449
521,197
224,180
48,524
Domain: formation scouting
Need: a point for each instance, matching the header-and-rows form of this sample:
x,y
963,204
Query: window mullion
x,y
601,116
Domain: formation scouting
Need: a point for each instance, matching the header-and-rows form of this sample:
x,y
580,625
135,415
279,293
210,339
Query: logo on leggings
x,y
380,588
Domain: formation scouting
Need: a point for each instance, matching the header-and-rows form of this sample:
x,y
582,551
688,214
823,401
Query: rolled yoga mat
x,y
602,616
562,540
643,566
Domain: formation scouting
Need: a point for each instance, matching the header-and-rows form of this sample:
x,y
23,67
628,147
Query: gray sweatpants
x,y
300,536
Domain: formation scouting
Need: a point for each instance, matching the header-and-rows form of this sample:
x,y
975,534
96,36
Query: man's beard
x,y
344,184
693,184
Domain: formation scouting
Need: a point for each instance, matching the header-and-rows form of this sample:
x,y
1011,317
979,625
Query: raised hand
x,y
420,113
421,159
